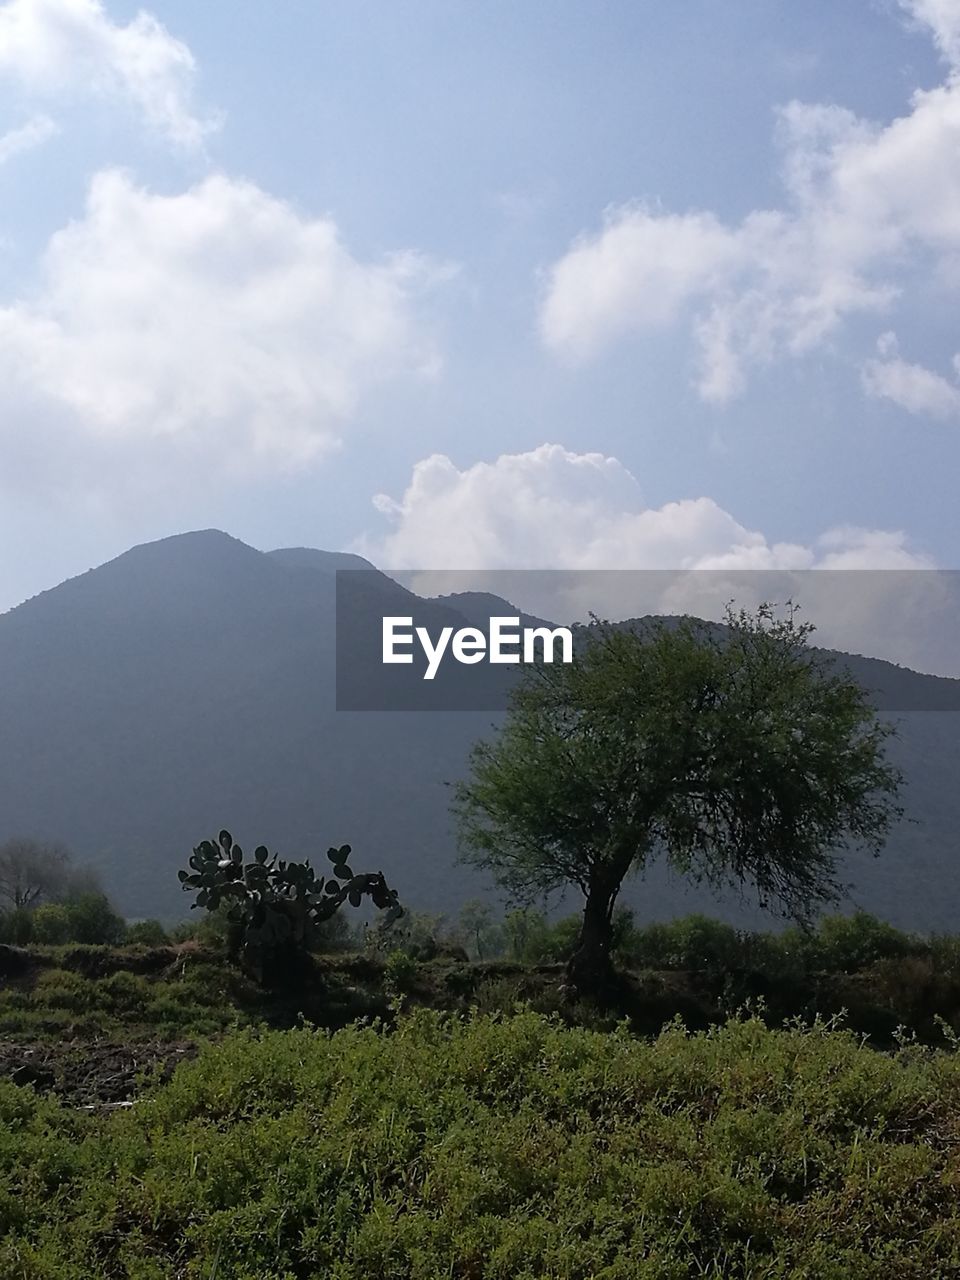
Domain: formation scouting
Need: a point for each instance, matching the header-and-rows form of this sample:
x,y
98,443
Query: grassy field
x,y
162,1117
511,1147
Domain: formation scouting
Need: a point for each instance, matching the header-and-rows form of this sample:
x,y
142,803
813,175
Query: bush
x,y
421,936
147,933
274,907
16,927
335,936
93,920
399,970
694,942
527,936
850,944
52,925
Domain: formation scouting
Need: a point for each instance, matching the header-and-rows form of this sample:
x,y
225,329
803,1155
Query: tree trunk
x,y
590,967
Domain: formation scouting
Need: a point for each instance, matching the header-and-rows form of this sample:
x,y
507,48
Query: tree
x,y
52,924
734,752
477,925
31,870
94,921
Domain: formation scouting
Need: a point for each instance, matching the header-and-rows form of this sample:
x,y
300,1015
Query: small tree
x,y
733,752
52,924
94,921
31,871
275,908
479,929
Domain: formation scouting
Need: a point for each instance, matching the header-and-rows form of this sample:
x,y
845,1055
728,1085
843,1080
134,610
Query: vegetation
x,y
735,754
85,918
30,870
510,1148
273,907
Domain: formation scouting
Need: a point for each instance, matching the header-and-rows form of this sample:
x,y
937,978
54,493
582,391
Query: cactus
x,y
274,907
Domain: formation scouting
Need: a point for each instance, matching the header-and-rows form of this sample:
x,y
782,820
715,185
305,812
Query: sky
x,y
481,286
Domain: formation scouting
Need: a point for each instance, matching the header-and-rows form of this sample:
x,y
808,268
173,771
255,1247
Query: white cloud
x,y
913,387
490,526
219,324
553,509
865,205
942,19
70,48
640,272
34,133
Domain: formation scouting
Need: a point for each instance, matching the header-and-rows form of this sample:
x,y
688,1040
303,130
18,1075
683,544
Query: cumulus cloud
x,y
582,520
913,387
553,509
219,324
942,19
70,48
34,133
864,205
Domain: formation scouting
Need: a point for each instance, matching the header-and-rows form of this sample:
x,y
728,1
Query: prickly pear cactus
x,y
274,907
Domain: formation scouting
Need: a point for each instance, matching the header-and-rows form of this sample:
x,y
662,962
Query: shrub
x,y
421,936
850,944
16,927
526,934
693,942
52,924
148,933
94,921
399,970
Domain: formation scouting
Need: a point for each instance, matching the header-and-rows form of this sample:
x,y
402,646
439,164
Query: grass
x,y
508,1148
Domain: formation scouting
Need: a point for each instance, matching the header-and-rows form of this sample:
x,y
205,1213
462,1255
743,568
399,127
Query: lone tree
x,y
31,871
736,753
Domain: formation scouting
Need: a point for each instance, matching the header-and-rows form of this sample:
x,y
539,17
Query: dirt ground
x,y
90,1075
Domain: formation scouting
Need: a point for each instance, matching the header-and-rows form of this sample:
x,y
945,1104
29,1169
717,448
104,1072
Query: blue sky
x,y
481,285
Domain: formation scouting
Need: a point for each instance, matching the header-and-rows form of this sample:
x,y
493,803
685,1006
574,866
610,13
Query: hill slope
x,y
189,684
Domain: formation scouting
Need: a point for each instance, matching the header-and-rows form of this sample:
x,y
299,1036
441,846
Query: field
x,y
510,1147
161,1117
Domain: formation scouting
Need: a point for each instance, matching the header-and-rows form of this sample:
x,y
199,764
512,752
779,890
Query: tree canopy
x,y
734,752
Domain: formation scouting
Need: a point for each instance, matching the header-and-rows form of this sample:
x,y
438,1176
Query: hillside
x,y
190,683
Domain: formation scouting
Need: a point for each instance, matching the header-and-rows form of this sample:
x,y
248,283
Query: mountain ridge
x,y
189,684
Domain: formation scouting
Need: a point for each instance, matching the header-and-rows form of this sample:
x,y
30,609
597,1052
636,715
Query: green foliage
x,y
399,970
201,1000
525,933
273,908
694,942
530,938
839,944
484,939
16,927
147,933
735,754
422,936
853,943
82,918
93,920
509,1148
52,924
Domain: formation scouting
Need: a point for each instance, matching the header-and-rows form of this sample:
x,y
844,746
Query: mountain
x,y
191,684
